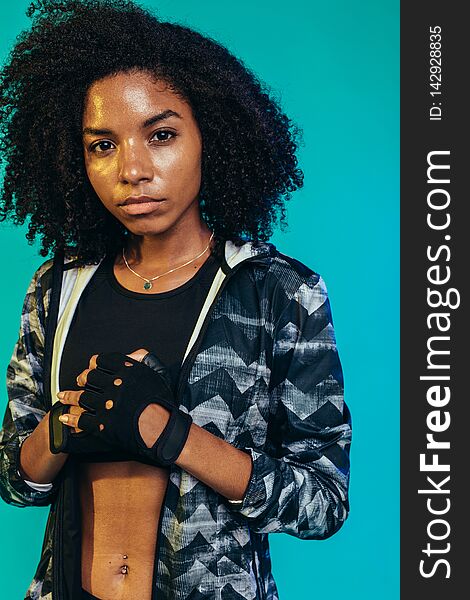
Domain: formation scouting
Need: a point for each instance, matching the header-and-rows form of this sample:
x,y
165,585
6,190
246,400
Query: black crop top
x,y
111,318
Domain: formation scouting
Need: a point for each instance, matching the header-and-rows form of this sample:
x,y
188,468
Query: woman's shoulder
x,y
298,285
289,272
296,268
285,281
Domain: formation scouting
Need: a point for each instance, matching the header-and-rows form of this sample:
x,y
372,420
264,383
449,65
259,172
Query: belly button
x,y
124,569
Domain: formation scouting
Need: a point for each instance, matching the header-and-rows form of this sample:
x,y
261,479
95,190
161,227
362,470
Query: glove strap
x,y
173,438
58,432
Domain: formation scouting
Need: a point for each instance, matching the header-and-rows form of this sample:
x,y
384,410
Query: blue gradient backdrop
x,y
335,67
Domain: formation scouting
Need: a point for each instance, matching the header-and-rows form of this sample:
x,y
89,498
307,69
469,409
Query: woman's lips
x,y
142,208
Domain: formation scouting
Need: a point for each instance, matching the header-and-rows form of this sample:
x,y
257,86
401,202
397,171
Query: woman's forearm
x,y
218,464
37,463
224,468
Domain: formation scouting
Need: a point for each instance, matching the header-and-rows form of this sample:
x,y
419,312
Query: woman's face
x,y
141,139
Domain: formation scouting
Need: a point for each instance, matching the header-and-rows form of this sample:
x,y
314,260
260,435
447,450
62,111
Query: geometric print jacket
x,y
262,372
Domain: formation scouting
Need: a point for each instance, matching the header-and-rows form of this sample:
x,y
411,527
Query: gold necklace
x,y
148,282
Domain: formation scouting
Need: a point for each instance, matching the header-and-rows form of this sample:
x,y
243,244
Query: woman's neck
x,y
164,252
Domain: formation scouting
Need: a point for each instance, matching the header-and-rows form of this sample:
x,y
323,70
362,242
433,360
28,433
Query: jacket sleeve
x,y
301,486
25,405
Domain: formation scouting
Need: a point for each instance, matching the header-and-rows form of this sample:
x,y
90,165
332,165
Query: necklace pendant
x,y
148,285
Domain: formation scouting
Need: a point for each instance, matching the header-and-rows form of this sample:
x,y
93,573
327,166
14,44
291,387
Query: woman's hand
x,y
71,397
129,404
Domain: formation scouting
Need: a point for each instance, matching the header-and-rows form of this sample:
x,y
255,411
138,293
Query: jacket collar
x,y
234,255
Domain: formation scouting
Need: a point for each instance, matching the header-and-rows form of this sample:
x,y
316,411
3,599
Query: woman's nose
x,y
134,164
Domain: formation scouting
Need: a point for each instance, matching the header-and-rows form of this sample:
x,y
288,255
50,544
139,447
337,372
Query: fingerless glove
x,y
131,386
63,439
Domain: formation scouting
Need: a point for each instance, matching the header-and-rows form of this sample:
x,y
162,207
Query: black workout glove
x,y
132,387
63,439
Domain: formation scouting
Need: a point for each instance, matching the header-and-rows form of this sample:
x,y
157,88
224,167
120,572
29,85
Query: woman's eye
x,y
101,147
162,135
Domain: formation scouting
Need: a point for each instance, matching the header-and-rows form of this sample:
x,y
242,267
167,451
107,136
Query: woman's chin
x,y
146,226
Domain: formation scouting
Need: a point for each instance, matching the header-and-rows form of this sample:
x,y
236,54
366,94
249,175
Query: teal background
x,y
335,67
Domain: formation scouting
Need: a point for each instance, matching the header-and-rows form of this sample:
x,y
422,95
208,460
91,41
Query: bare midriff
x,y
121,504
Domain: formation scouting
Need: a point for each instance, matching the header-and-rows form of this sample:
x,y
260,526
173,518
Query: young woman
x,y
189,400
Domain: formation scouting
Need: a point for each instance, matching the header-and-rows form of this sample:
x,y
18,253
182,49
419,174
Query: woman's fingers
x,y
81,378
71,418
138,354
70,396
92,363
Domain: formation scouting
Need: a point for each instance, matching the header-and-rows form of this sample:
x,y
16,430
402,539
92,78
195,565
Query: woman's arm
x,y
210,459
302,488
36,462
217,463
25,419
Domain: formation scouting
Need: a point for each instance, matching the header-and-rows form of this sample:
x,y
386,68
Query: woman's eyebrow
x,y
166,114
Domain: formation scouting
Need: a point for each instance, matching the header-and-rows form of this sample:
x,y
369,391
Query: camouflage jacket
x,y
262,372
